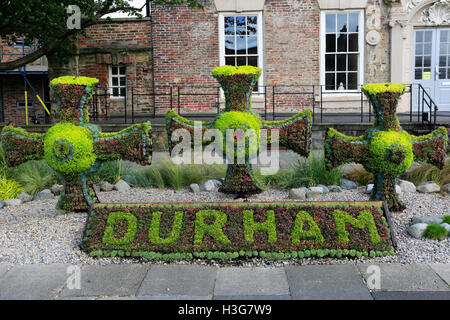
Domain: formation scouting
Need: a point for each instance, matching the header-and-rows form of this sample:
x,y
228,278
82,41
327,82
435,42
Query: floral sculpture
x,y
237,84
73,147
385,150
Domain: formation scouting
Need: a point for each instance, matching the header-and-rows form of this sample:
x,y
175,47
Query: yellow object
x,y
426,76
26,108
43,104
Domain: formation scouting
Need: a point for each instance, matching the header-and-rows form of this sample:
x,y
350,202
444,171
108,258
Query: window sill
x,y
343,96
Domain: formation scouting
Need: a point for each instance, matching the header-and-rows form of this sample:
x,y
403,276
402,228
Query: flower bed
x,y
231,230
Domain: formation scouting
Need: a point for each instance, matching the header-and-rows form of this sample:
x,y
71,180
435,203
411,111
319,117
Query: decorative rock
x,y
194,188
314,192
347,184
335,189
417,230
57,189
447,227
44,195
25,197
324,188
121,186
427,220
369,188
106,186
208,186
297,194
96,188
406,186
12,202
446,187
217,183
398,190
2,204
429,187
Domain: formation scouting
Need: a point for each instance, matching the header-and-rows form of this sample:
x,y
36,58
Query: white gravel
x,y
36,232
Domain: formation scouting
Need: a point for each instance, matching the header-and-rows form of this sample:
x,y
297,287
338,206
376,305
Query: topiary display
x,y
385,150
73,147
237,84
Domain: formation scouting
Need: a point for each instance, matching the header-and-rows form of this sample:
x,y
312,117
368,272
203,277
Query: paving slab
x,y
406,277
175,297
327,282
109,280
251,282
4,267
411,295
281,297
443,270
178,280
33,281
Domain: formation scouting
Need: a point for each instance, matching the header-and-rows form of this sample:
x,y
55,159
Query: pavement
x,y
202,282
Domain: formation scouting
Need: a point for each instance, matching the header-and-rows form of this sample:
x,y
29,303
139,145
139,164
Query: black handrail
x,y
314,94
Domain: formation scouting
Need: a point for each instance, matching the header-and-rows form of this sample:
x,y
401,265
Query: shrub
x,y
446,219
34,176
309,172
435,232
361,175
9,189
428,172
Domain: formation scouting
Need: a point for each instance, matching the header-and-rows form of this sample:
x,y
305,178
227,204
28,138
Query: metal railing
x,y
278,102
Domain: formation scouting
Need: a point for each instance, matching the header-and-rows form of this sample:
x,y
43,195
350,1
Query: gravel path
x,y
35,232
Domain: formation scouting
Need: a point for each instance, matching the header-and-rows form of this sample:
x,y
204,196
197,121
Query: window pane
x,y
229,25
114,70
241,45
353,43
123,81
352,81
427,48
331,22
330,62
419,62
115,92
331,43
342,43
443,48
444,36
418,74
353,22
428,36
419,36
230,46
330,81
442,74
442,61
342,22
123,92
252,25
341,81
419,49
122,70
341,62
230,61
115,81
427,61
252,45
352,62
241,61
253,61
240,26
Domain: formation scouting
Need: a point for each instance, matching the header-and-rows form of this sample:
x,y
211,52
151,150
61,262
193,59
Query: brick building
x,y
312,52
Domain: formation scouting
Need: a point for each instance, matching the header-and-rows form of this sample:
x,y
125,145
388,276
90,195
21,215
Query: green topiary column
x,y
386,149
73,147
237,84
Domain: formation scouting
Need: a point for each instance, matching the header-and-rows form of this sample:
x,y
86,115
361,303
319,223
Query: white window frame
x,y
222,16
361,44
111,96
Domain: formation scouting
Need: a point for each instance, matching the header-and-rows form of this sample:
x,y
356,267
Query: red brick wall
x,y
13,91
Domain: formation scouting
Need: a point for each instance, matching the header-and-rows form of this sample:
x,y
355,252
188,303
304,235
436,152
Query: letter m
x,y
364,220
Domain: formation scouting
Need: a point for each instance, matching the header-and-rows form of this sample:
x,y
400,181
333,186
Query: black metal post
x,y
132,105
